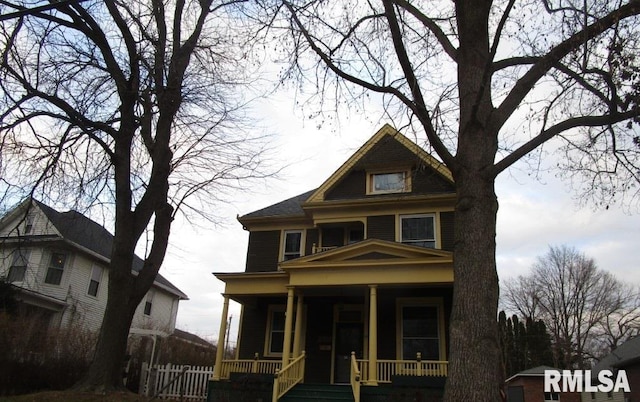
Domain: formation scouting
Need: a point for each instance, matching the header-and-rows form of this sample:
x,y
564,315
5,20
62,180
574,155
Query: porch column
x,y
217,368
373,335
288,324
297,333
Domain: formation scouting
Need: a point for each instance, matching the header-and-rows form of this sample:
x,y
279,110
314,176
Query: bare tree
x,y
487,84
586,309
129,104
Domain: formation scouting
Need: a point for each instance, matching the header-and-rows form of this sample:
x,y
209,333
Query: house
x,y
625,358
528,386
349,283
58,261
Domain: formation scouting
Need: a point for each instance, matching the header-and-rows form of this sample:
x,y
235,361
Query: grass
x,y
72,396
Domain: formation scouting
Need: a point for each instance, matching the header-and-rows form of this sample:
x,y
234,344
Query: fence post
x,y
418,364
254,365
143,378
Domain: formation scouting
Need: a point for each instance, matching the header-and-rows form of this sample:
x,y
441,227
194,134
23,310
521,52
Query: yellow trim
x,y
438,302
267,337
303,241
254,283
436,225
318,195
272,308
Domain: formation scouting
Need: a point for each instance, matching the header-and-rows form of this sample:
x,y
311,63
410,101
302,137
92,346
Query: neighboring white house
x,y
59,263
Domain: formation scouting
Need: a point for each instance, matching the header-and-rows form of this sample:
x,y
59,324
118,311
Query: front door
x,y
349,338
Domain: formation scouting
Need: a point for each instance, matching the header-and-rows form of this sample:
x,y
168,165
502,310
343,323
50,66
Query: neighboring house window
x,y
18,267
421,330
148,304
56,267
28,224
418,230
292,244
94,282
388,182
551,396
275,331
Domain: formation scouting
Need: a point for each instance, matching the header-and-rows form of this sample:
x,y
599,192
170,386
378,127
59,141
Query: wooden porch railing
x,y
254,365
355,378
288,377
418,367
319,249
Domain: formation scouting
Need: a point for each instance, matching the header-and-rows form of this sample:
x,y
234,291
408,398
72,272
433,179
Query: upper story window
x,y
56,268
292,245
418,230
94,282
18,268
28,223
388,182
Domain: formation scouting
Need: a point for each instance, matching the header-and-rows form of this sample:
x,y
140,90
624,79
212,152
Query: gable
x,y
387,151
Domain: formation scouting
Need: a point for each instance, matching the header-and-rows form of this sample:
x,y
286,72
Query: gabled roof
x,y
532,372
627,353
386,130
77,229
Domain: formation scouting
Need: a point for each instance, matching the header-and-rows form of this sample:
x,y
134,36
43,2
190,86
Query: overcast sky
x,y
534,213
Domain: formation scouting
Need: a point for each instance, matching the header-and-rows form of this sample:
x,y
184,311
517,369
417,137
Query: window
x,y
56,267
292,244
275,330
18,267
94,282
28,223
388,182
148,303
418,230
551,396
420,332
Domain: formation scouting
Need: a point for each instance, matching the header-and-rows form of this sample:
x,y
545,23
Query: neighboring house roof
x,y
532,372
623,355
76,228
191,338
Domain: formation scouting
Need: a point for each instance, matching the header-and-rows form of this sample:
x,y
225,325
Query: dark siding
x,y
333,237
446,230
254,326
381,227
389,153
263,251
312,238
318,340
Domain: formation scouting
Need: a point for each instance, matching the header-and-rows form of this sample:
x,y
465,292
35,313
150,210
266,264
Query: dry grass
x,y
71,396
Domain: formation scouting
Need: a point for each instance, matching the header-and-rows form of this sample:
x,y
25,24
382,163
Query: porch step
x,y
318,393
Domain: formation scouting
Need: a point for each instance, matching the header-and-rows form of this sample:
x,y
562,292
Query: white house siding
x,y
162,313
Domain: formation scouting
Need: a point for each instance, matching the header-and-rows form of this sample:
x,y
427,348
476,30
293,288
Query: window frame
x,y
371,181
95,268
436,302
55,272
148,303
434,218
274,308
551,396
283,248
18,254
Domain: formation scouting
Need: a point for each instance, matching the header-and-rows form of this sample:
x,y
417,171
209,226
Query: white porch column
x,y
373,335
297,333
217,368
288,324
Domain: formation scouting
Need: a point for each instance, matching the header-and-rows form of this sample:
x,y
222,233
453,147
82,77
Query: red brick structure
x,y
528,386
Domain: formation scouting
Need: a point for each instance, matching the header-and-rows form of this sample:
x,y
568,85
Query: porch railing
x,y
254,365
418,367
319,249
288,377
355,378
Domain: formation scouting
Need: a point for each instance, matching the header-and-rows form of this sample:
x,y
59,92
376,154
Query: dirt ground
x,y
68,396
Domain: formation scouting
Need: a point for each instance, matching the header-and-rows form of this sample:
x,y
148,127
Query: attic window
x,y
388,182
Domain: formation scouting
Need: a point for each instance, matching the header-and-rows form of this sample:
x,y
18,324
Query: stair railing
x,y
288,377
355,378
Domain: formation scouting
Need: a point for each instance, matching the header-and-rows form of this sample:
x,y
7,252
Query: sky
x,y
534,213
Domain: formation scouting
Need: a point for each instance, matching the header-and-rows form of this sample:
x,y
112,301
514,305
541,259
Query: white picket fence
x,y
191,386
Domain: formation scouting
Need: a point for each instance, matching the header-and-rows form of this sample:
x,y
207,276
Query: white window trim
x,y
66,263
407,181
23,254
283,242
421,301
436,226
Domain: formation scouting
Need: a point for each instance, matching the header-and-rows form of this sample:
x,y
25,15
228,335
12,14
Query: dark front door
x,y
349,338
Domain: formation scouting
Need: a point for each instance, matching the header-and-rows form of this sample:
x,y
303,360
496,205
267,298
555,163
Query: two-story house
x,y
58,261
352,282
